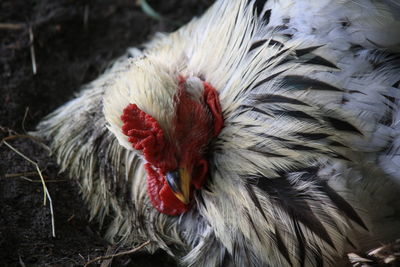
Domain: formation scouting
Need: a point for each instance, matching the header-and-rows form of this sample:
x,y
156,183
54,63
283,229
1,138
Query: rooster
x,y
264,133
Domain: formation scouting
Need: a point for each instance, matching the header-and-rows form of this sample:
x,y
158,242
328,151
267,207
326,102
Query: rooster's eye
x,y
173,179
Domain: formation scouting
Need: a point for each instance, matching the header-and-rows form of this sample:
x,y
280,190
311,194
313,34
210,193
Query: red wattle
x,y
161,196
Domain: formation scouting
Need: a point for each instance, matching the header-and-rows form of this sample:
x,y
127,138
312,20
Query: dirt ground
x,y
73,42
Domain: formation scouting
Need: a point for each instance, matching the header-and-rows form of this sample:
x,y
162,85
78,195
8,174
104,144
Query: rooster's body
x,y
274,131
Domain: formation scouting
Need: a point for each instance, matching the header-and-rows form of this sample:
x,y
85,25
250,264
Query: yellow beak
x,y
179,182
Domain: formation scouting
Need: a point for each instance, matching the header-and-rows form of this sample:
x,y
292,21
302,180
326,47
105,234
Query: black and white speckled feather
x,y
307,164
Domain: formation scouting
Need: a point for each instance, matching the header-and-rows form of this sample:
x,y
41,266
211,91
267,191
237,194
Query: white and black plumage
x,y
306,166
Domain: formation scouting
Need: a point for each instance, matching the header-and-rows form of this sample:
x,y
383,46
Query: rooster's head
x,y
170,118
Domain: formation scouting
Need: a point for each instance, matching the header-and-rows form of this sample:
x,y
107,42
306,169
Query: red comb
x,y
212,100
144,133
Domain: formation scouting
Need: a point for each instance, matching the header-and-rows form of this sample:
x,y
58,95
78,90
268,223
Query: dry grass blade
x,y
12,26
86,17
149,11
45,191
21,262
32,49
34,138
24,118
118,254
23,177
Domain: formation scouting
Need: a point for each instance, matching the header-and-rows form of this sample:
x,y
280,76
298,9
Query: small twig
x,y
118,254
12,26
14,175
48,181
45,191
8,130
32,162
107,263
69,219
15,136
32,50
26,179
80,255
24,118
